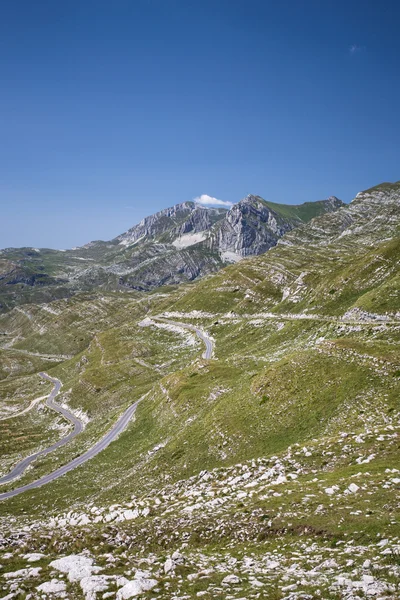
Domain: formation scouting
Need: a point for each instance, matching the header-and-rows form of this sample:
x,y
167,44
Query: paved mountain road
x,y
79,460
78,427
119,426
200,334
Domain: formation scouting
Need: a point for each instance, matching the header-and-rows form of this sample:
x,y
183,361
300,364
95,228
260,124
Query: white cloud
x,y
354,49
210,201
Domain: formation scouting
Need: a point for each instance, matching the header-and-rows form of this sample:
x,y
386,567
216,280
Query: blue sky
x,y
110,111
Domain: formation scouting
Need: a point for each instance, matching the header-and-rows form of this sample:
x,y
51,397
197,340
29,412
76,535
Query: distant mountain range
x,y
178,244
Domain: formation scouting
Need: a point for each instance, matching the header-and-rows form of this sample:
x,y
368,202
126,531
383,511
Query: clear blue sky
x,y
110,111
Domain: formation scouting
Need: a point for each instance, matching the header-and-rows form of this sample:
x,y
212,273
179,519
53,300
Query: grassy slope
x,y
303,212
315,385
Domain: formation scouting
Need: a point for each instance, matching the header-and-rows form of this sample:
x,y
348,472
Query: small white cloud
x,y
210,201
354,49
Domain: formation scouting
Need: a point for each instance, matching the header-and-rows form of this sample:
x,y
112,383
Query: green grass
x,y
319,396
303,212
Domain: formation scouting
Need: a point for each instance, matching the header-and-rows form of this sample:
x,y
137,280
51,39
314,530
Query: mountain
x,y
172,223
322,267
264,464
254,225
175,245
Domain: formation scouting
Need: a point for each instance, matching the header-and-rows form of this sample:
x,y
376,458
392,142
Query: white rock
x,y
55,587
169,565
75,566
256,583
24,573
330,563
135,588
353,488
93,584
280,479
272,564
178,558
33,556
83,520
231,580
130,514
366,564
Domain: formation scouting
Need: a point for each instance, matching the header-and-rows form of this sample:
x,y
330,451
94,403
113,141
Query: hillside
x,y
268,470
174,246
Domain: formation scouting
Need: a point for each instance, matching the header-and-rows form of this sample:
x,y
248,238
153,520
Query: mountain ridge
x,y
178,244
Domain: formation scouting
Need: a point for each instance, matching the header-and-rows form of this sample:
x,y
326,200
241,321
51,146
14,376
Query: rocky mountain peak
x,y
155,224
249,199
334,202
172,222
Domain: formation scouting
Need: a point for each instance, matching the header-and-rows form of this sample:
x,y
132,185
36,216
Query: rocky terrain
x,y
176,245
270,470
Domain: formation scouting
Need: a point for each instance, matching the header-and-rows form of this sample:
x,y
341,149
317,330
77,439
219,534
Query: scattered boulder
x,y
33,556
176,559
231,580
23,573
135,588
75,566
169,565
54,587
353,487
93,584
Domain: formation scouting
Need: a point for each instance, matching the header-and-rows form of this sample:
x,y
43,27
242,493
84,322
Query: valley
x,y
240,433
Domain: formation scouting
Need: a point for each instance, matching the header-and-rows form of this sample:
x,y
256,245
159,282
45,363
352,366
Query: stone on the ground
x,y
231,580
93,584
54,587
75,566
135,588
33,556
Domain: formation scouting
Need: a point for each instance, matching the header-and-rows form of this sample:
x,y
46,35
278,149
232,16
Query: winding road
x,y
118,428
25,410
207,354
78,427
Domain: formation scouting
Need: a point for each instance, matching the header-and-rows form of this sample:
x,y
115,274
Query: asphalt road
x,y
120,425
78,427
79,460
209,345
203,336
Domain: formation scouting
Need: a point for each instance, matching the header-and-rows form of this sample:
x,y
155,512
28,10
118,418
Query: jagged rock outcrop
x,y
250,228
171,268
253,225
175,221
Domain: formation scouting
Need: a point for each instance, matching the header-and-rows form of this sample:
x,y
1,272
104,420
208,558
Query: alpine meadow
x,y
260,456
